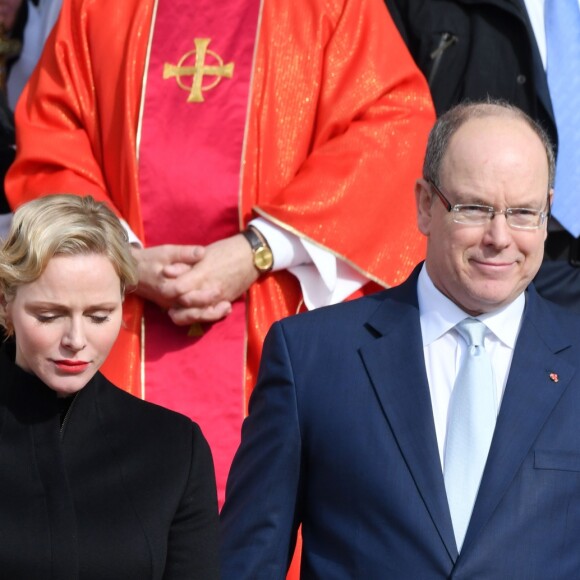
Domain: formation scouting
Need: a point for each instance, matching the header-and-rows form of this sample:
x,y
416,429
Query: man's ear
x,y
424,200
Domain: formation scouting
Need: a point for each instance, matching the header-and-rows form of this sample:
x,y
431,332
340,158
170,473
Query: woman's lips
x,y
71,366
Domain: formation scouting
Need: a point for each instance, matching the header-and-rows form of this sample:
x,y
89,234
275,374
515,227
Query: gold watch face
x,y
263,259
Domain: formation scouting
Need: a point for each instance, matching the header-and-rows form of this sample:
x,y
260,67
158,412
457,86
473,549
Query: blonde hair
x,y
61,224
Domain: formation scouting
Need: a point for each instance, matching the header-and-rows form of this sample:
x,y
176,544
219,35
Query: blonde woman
x,y
95,483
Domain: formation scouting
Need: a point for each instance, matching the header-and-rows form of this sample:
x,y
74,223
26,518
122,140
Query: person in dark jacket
x,y
95,483
469,50
493,49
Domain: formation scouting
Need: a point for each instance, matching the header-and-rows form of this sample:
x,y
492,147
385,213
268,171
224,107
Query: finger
x,y
199,298
185,254
187,316
175,270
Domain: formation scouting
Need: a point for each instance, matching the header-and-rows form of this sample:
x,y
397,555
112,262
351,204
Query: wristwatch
x,y
263,257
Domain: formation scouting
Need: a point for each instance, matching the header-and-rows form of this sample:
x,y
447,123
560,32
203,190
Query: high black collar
x,y
25,395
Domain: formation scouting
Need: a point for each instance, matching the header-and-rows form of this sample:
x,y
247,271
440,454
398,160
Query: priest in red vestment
x,y
262,154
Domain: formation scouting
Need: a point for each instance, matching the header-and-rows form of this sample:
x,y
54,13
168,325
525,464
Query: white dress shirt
x,y
443,346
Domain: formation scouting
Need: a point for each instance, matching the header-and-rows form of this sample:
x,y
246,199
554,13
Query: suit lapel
x,y
530,396
395,363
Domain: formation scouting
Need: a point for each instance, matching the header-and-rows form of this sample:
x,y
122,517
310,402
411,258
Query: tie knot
x,y
472,330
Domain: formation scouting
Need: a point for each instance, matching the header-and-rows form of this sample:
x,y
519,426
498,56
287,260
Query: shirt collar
x,y
438,314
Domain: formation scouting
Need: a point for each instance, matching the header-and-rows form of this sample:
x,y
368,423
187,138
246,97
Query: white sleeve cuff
x,y
286,247
323,278
133,239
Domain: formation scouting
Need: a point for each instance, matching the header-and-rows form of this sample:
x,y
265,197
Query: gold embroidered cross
x,y
198,71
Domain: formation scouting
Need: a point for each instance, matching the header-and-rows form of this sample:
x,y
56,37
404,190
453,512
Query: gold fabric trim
x,y
145,75
240,192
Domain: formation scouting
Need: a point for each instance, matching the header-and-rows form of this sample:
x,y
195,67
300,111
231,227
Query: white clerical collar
x,y
438,314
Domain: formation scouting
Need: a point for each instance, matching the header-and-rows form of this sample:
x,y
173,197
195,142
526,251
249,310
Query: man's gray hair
x,y
449,123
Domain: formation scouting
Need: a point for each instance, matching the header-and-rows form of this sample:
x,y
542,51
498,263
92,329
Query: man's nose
x,y
497,231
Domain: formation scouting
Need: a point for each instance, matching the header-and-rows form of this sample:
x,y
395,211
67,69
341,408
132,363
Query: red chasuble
x,y
190,150
335,134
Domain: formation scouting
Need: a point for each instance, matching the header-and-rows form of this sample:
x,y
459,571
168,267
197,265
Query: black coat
x,y
122,490
471,49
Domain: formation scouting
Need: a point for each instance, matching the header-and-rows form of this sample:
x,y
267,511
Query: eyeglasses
x,y
519,218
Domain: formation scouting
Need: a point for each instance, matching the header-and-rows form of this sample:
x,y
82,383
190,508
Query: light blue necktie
x,y
470,424
562,18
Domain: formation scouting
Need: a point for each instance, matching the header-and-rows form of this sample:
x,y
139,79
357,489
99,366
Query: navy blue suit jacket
x,y
340,438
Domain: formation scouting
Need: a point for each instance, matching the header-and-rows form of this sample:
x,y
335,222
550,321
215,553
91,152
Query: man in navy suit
x,y
347,428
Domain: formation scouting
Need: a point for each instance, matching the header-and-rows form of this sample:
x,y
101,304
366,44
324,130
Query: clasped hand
x,y
196,283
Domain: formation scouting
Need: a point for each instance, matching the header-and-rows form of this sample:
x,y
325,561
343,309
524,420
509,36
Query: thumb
x,y
186,254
